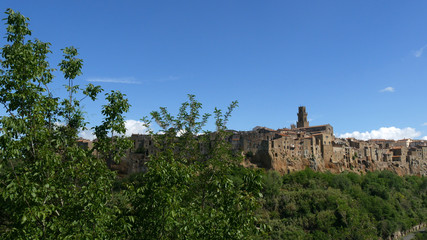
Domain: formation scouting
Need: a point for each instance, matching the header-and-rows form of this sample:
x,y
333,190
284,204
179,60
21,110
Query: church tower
x,y
302,117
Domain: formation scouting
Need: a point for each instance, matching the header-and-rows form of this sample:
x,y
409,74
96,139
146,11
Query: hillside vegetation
x,y
314,205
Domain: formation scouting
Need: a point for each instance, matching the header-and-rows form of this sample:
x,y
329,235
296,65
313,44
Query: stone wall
x,y
287,150
401,234
295,149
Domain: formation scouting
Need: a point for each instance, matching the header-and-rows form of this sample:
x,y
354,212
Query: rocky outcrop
x,y
288,150
401,234
292,149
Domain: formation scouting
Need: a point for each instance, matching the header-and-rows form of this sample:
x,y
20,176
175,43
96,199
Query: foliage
x,y
50,188
420,235
113,148
344,206
194,187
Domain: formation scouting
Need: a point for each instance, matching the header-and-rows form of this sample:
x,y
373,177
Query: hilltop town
x,y
292,149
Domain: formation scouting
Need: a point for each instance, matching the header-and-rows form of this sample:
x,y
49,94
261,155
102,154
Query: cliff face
x,y
287,150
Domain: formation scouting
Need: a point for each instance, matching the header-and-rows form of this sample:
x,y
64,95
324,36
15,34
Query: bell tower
x,y
302,117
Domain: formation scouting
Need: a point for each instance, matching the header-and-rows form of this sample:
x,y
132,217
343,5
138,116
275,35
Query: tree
x,y
190,190
53,189
50,187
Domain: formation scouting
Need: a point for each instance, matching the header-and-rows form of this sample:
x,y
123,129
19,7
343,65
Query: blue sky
x,y
357,65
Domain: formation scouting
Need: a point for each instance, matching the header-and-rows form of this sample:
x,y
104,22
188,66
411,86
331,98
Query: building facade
x,y
292,149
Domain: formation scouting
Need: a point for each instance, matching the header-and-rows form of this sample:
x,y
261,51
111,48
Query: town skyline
x,y
296,148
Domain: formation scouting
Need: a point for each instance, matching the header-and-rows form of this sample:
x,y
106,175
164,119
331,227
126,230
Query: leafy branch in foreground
x,y
50,188
194,187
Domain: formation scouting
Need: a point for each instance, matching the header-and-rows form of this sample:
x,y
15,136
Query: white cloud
x,y
134,127
127,80
384,133
425,124
87,134
387,89
58,124
424,138
419,52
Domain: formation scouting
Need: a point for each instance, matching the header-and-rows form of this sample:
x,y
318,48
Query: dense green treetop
x,y
50,188
53,189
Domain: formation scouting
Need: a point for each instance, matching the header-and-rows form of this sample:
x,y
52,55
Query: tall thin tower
x,y
302,117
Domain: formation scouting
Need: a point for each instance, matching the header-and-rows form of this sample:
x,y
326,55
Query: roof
x,y
324,125
404,140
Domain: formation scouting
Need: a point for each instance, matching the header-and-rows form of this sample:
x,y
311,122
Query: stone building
x,y
84,143
295,148
302,118
287,150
